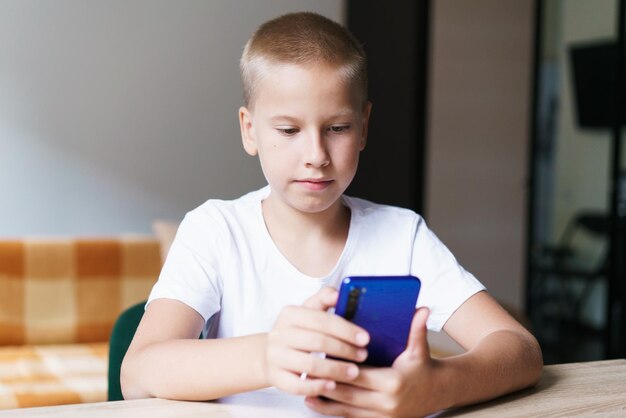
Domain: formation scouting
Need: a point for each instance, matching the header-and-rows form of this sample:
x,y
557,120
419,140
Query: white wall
x,y
479,103
113,113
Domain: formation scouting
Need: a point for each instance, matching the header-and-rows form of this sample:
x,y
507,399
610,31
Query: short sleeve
x,y
445,284
191,270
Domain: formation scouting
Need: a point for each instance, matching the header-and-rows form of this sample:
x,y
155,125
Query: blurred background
x,y
501,121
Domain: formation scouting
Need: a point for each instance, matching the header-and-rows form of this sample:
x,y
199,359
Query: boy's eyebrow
x,y
344,112
341,113
283,118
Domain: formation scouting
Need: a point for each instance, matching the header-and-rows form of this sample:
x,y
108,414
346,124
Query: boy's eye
x,y
287,131
338,129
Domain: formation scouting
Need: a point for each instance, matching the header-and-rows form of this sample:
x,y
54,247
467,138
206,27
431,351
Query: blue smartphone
x,y
384,306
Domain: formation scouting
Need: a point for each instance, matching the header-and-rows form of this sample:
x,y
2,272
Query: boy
x,y
258,272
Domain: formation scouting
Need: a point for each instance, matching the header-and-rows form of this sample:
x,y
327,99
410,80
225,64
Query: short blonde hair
x,y
302,38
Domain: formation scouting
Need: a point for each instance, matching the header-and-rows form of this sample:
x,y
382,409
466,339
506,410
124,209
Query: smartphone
x,y
384,306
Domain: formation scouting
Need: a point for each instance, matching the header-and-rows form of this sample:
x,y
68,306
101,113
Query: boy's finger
x,y
350,394
322,300
320,368
292,383
310,341
326,323
330,407
374,378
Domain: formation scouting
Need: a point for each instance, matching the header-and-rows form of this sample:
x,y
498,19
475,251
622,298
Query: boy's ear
x,y
248,136
367,109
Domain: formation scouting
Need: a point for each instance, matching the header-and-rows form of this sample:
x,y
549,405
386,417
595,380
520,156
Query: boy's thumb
x,y
417,345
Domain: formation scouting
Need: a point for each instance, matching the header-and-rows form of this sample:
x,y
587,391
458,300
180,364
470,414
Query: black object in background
x,y
594,67
395,38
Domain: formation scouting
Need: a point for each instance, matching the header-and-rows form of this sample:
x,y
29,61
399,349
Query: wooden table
x,y
576,389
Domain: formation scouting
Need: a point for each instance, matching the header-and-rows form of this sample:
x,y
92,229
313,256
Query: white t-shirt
x,y
224,261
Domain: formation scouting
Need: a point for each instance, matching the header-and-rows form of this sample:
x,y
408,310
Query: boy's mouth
x,y
315,184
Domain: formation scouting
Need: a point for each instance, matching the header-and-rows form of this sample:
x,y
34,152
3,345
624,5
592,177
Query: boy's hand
x,y
406,389
300,331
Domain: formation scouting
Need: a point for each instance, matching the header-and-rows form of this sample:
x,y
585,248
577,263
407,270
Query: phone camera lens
x,y
353,301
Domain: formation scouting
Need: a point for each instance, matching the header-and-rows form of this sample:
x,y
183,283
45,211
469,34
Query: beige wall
x,y
478,138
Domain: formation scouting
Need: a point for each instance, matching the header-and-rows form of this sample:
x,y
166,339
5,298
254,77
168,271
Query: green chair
x,y
121,336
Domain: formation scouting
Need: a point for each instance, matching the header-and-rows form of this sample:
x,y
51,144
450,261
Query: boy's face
x,y
308,127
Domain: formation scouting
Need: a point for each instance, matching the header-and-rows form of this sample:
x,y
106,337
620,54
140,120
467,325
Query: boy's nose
x,y
317,154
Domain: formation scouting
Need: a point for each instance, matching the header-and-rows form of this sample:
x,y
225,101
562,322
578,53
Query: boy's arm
x,y
167,360
502,357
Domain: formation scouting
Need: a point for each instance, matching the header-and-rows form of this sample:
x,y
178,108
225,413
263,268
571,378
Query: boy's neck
x,y
330,222
311,242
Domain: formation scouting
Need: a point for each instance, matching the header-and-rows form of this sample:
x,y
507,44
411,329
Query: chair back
x,y
121,337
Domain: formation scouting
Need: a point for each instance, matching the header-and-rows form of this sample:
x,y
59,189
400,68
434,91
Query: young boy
x,y
256,275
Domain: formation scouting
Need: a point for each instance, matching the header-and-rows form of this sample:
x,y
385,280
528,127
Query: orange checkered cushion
x,y
52,374
71,290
